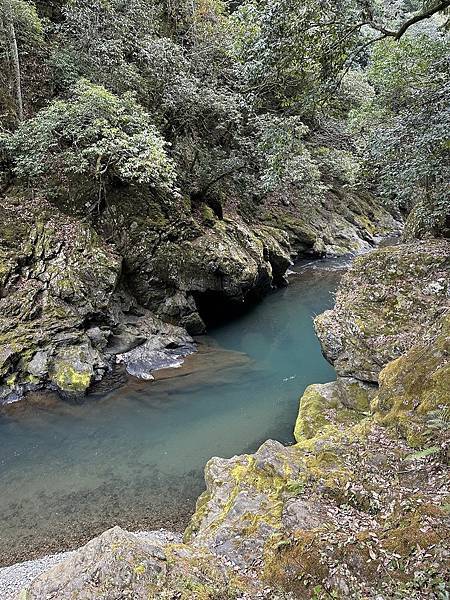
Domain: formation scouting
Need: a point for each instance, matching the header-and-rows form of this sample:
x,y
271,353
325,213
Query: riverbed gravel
x,y
14,578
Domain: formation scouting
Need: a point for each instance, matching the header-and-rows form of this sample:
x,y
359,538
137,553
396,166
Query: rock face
x,y
176,255
386,302
341,222
416,385
70,301
64,313
349,511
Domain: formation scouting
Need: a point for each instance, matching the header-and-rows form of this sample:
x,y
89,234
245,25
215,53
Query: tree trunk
x,y
12,41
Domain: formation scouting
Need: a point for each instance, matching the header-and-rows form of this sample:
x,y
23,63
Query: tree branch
x,y
440,6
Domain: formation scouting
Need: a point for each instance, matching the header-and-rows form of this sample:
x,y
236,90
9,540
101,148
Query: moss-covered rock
x,y
64,313
332,405
341,222
170,266
415,388
387,300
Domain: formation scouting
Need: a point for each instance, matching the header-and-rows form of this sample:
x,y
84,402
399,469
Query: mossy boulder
x,y
332,405
170,267
415,389
64,312
385,303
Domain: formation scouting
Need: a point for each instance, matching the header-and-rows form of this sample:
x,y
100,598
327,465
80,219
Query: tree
x,y
89,142
21,37
404,128
8,19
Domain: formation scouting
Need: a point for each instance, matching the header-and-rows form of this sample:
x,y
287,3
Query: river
x,y
135,456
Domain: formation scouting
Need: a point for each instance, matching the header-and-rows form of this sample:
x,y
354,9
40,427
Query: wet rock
x,y
165,346
155,355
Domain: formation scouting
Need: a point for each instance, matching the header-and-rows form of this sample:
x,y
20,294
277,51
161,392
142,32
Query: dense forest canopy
x,y
225,100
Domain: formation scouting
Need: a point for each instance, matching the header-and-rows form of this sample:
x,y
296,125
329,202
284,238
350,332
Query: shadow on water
x,y
135,457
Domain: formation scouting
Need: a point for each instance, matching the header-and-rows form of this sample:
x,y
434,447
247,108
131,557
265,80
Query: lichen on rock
x,y
119,565
64,312
384,304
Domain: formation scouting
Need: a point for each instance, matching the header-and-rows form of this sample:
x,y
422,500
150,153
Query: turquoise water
x,y
135,457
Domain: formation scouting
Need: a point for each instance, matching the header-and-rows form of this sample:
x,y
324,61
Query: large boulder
x,y
119,565
385,303
182,262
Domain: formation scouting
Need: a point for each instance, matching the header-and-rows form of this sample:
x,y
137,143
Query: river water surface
x,y
135,457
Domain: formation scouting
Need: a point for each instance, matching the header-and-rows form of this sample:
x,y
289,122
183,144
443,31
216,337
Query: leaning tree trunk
x,y
14,52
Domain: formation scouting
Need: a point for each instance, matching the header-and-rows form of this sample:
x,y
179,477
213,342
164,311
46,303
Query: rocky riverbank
x,y
358,508
135,284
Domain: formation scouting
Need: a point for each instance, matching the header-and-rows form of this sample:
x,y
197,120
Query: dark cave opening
x,y
217,309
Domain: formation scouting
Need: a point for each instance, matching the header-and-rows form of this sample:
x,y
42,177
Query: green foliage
x,y
291,51
99,39
91,139
405,129
423,453
230,86
284,155
28,25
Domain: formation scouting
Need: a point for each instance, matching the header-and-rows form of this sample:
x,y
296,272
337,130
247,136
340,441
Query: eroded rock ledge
x,y
349,511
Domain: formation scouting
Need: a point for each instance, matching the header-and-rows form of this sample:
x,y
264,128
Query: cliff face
x,y
352,510
73,296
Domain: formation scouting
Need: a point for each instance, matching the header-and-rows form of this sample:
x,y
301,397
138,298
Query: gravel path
x,y
14,578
